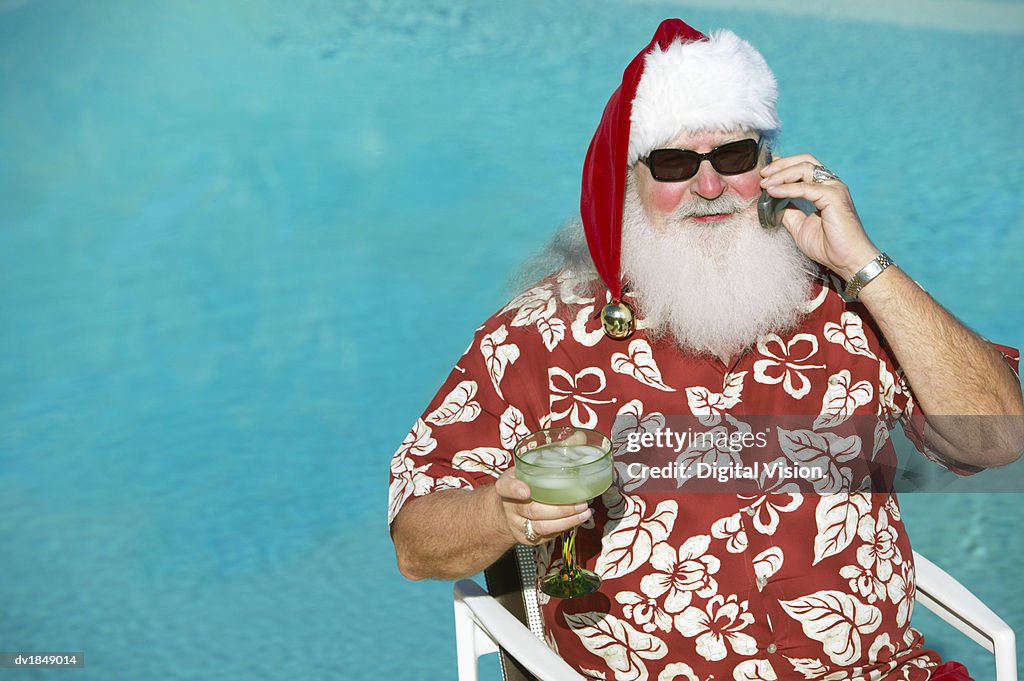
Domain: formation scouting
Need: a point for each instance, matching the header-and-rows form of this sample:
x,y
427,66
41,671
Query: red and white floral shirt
x,y
695,586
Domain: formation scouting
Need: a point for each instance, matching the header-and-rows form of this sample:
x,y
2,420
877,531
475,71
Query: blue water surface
x,y
242,243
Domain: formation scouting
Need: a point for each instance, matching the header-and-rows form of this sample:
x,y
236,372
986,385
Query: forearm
x,y
450,533
951,370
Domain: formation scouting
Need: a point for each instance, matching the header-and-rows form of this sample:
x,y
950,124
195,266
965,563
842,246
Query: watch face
x,y
866,274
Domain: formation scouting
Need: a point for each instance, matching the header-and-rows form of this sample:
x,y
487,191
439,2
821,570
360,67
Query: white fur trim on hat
x,y
722,83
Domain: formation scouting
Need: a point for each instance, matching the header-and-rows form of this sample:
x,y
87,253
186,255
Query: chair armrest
x,y
501,627
938,591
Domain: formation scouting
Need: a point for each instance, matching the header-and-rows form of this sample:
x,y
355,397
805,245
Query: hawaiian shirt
x,y
777,585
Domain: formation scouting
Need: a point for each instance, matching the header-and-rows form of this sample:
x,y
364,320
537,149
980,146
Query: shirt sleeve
x,y
910,415
466,436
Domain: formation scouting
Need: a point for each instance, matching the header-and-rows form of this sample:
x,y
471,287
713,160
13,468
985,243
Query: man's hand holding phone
x,y
831,233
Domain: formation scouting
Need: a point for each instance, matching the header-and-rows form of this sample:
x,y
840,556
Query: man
x,y
731,319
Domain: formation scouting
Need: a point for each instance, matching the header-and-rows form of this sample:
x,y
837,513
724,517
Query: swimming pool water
x,y
242,243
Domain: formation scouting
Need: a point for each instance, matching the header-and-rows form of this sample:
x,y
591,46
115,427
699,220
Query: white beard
x,y
715,287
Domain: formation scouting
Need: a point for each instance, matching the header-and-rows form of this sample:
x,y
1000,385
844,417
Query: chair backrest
x,y
512,581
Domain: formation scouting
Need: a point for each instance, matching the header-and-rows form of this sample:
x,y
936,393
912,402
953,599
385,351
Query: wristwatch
x,y
866,274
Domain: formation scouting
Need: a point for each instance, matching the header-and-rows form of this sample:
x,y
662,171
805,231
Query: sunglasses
x,y
676,165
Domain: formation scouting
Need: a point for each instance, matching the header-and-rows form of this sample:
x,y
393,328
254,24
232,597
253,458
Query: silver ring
x,y
823,174
528,531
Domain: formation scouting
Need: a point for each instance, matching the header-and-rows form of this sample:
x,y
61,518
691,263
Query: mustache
x,y
725,204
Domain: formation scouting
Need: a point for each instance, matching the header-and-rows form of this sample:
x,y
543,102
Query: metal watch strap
x,y
866,274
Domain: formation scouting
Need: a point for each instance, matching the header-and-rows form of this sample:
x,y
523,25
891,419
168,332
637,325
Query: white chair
x,y
482,625
938,591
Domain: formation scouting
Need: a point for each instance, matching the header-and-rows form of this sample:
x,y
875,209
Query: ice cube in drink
x,y
565,474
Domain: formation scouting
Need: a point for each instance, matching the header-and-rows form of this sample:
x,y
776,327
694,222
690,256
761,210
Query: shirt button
x,y
761,583
772,647
750,510
832,380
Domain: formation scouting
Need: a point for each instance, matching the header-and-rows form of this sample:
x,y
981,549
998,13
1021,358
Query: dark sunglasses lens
x,y
672,165
735,158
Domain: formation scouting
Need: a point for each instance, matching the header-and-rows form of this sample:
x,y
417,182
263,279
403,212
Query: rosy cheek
x,y
747,185
666,196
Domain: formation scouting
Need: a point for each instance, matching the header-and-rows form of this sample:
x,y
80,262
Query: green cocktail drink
x,y
566,466
565,474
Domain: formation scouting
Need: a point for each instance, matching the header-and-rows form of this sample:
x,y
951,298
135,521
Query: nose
x,y
707,184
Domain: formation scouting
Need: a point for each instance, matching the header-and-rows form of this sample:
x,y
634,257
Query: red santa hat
x,y
682,80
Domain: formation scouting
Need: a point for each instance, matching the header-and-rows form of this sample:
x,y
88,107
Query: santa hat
x,y
682,80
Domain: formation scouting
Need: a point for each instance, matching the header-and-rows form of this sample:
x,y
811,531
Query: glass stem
x,y
569,552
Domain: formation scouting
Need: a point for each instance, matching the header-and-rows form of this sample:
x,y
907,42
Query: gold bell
x,y
618,320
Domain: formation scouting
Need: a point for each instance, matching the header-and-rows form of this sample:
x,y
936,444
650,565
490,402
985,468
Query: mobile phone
x,y
770,209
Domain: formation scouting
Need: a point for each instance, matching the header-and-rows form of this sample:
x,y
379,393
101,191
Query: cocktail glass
x,y
566,465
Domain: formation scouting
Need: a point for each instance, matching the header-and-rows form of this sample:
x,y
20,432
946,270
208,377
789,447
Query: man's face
x,y
699,263
663,201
